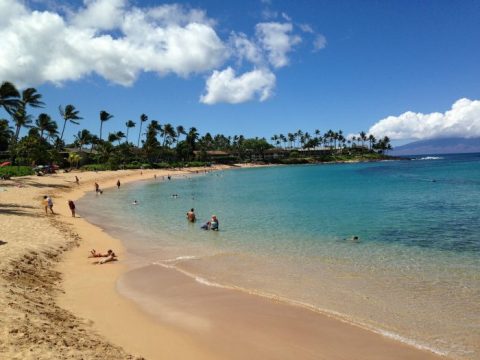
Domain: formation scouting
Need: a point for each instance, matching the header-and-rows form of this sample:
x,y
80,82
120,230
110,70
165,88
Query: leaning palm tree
x,y
30,97
45,123
104,116
68,114
180,131
9,97
129,124
143,118
21,119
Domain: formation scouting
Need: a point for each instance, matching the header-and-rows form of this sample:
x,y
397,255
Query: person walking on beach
x,y
97,187
191,215
71,205
48,204
118,184
77,180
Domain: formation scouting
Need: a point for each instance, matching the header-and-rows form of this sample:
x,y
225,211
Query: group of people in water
x,y
213,224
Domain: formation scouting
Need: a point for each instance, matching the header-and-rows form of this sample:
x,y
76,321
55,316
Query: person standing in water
x,y
118,184
191,215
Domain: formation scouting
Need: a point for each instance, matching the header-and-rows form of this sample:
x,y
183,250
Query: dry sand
x,y
54,304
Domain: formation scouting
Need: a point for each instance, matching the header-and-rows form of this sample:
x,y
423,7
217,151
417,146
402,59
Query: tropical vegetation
x,y
157,145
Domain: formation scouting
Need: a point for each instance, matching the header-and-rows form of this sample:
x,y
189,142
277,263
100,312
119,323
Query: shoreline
x,y
90,293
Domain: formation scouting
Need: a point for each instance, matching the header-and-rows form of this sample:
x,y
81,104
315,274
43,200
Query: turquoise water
x,y
286,232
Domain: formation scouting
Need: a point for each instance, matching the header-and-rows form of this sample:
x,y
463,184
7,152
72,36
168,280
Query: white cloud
x,y
100,14
118,41
225,86
245,48
43,46
277,40
462,120
319,43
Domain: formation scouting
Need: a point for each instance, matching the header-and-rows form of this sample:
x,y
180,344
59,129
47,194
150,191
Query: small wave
x,y
170,263
204,281
180,258
430,158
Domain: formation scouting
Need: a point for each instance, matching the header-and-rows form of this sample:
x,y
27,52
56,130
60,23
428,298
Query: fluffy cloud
x,y
277,40
118,41
40,47
225,86
100,14
462,120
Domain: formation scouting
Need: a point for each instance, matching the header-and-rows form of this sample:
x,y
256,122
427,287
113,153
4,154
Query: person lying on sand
x,y
94,253
110,256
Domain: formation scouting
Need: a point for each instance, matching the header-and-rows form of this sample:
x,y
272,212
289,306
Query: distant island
x,y
439,146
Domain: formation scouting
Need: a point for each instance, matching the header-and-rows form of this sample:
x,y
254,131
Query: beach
x,y
56,304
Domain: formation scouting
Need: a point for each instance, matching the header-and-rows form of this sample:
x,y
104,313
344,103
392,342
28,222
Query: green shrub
x,y
15,171
98,167
162,165
197,164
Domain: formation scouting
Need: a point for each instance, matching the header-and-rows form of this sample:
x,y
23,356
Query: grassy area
x,y
11,171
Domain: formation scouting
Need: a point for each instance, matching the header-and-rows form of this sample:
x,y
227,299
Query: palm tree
x,y
9,97
143,118
180,131
363,138
82,138
21,119
113,137
74,159
192,137
371,140
129,124
45,123
68,114
168,133
5,134
30,97
104,116
291,139
120,135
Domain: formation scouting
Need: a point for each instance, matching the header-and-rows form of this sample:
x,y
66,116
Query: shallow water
x,y
286,232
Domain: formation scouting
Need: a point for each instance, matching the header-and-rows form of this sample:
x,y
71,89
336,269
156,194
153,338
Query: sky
x,y
406,69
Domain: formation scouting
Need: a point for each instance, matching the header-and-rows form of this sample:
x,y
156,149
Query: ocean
x,y
287,232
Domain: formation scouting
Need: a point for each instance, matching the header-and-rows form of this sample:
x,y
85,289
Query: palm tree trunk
x,y
64,124
17,132
139,134
101,125
126,138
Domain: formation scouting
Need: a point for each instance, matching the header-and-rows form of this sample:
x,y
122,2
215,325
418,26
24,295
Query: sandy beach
x,y
54,304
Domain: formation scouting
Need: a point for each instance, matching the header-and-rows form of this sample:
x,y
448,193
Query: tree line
x,y
155,143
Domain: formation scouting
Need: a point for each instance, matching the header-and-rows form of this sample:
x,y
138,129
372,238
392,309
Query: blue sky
x,y
376,60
